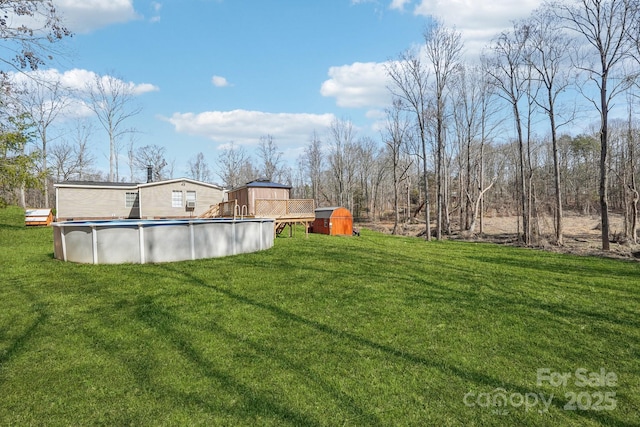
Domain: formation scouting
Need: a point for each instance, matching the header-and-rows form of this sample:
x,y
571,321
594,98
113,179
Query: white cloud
x,y
246,127
477,14
358,85
398,4
140,88
477,21
80,79
364,85
84,16
156,10
219,81
77,81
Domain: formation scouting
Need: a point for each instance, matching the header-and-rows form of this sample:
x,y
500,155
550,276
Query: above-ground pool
x,y
149,241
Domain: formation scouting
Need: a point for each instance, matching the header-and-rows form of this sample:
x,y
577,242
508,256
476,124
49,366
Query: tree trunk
x,y
396,213
556,176
45,171
634,192
427,215
604,179
634,214
477,212
523,185
480,196
439,176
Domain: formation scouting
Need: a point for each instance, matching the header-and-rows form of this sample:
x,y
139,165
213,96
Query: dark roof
x,y
328,212
100,183
131,184
259,183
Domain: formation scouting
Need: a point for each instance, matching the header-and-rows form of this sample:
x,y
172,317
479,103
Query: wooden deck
x,y
283,211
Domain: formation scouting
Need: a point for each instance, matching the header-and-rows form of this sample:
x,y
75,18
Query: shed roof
x,y
327,212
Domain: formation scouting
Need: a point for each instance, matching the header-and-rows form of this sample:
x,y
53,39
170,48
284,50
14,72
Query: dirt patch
x,y
581,234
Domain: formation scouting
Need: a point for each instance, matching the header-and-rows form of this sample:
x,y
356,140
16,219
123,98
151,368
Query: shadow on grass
x,y
11,227
256,402
253,403
559,263
18,344
357,258
443,366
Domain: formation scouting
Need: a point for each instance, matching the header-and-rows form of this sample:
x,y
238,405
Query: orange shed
x,y
333,221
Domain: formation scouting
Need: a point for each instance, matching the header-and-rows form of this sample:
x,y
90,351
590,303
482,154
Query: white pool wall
x,y
155,241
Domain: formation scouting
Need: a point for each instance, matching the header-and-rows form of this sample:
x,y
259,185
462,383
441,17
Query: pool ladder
x,y
240,211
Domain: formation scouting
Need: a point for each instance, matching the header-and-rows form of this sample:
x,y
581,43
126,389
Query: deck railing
x,y
269,208
212,212
227,209
284,208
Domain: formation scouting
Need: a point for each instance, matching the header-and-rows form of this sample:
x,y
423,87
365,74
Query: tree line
x,y
541,82
542,122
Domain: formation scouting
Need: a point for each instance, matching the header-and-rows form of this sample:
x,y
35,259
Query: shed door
x,y
341,225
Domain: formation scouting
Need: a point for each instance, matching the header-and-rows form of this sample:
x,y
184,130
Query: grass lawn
x,y
324,331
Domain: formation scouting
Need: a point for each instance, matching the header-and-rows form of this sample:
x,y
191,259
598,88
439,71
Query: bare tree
x,y
410,81
366,164
199,169
549,46
604,27
131,158
474,113
171,169
73,158
232,164
270,157
153,156
43,102
63,161
111,99
377,175
396,134
248,172
342,160
465,115
505,67
443,49
299,183
632,143
314,164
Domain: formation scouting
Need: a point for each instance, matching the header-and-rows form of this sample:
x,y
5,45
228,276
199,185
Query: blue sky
x,y
212,72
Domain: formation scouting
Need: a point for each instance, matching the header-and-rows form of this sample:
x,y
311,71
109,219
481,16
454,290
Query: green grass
x,y
324,331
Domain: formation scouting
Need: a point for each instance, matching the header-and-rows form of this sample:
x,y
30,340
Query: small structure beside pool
x,y
35,217
265,199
